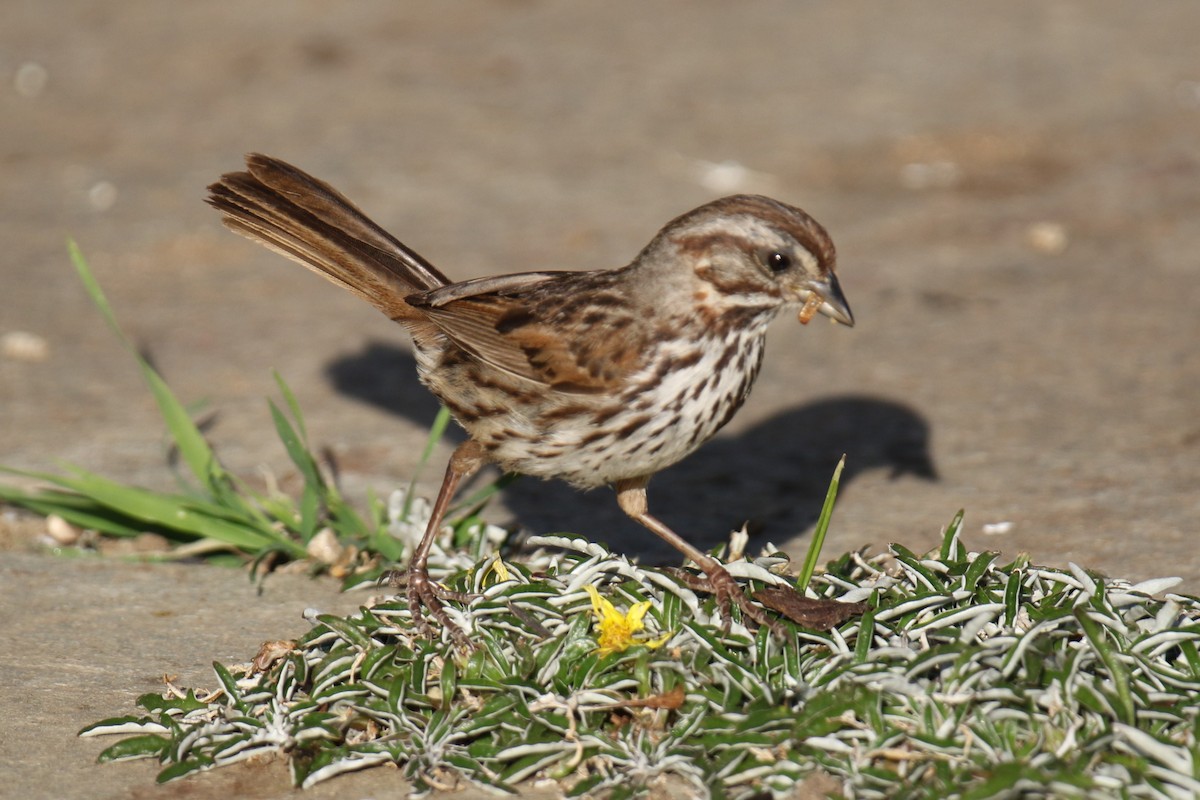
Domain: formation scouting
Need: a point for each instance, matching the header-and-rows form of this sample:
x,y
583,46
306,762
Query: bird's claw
x,y
724,587
426,595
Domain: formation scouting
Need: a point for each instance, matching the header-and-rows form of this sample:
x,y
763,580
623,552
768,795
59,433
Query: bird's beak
x,y
828,292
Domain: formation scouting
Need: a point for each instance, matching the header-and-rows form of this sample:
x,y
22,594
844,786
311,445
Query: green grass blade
x,y
187,515
436,432
76,509
818,541
951,549
293,405
295,445
475,503
193,448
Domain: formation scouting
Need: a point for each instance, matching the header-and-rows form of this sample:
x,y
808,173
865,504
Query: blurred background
x,y
1013,189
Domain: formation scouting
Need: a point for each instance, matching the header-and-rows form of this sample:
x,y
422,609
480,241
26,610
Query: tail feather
x,y
310,222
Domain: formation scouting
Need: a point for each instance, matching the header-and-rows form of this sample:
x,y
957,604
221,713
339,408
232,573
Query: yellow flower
x,y
616,630
497,568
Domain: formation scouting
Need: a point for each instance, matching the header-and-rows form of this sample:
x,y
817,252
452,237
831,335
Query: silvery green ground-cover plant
x,y
966,678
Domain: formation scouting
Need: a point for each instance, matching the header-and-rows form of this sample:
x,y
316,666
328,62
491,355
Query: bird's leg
x,y
422,592
631,496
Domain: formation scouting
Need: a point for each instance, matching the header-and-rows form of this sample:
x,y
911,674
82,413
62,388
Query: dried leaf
x,y
270,652
670,700
819,615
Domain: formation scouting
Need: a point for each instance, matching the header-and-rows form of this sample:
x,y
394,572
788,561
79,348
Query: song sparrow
x,y
601,377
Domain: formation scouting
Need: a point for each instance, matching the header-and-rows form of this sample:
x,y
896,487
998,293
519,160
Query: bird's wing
x,y
532,326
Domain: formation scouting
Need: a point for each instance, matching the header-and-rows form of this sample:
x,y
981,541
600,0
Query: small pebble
x,y
102,196
325,547
727,176
997,528
1048,237
24,346
730,177
30,79
930,175
61,532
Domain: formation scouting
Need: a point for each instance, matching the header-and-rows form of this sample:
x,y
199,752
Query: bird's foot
x,y
427,596
719,583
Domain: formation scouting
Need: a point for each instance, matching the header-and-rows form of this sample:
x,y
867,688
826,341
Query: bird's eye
x,y
778,262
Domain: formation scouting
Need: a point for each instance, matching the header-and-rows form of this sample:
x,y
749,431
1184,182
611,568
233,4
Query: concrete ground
x,y
1014,191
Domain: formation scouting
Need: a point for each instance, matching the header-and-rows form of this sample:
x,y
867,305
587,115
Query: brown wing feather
x,y
308,221
489,284
506,325
471,324
328,204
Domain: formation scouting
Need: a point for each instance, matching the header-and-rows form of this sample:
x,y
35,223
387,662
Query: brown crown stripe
x,y
787,220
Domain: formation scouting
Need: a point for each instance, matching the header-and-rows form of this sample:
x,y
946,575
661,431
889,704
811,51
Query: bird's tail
x,y
310,222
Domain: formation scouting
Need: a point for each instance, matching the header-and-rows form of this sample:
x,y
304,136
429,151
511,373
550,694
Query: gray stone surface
x,y
1013,188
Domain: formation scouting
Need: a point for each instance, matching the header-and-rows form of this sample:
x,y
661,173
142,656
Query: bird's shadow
x,y
773,476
